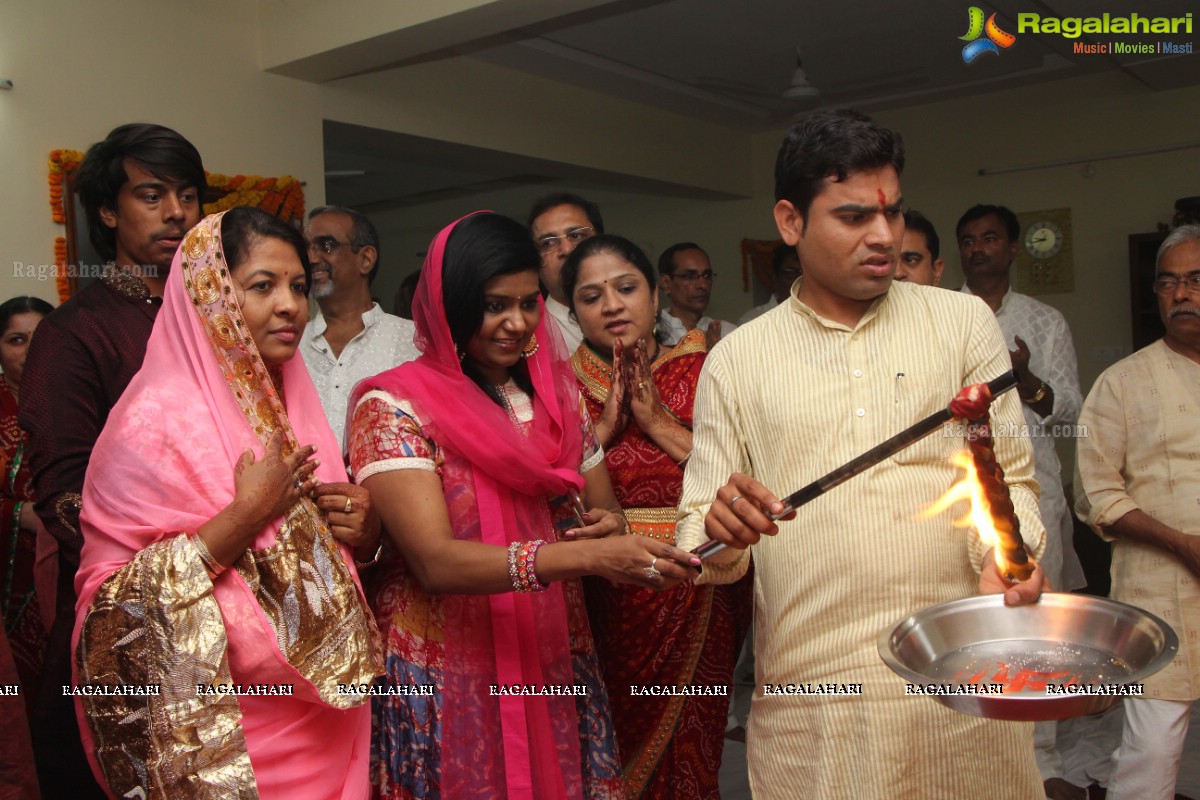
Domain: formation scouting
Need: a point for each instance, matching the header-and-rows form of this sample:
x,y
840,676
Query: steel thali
x,y
1065,656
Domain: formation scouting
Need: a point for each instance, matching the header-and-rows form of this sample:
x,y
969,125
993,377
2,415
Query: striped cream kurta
x,y
787,398
1140,450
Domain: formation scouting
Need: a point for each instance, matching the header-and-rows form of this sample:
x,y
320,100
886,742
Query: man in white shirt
x,y
785,268
1137,486
1048,384
686,280
557,223
352,338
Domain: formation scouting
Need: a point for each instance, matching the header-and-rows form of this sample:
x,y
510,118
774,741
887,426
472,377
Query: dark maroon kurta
x,y
84,355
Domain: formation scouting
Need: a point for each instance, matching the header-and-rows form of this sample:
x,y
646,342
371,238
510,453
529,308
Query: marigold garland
x,y
283,197
61,161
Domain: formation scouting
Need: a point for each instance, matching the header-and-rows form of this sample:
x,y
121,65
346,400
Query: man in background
x,y
685,276
558,223
785,268
919,249
142,189
1043,356
352,338
1138,480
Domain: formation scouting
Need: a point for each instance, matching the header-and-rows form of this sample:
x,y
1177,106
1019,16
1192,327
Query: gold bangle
x,y
211,565
1038,395
374,559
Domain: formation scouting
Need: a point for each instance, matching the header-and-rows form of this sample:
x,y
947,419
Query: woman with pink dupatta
x,y
475,455
217,564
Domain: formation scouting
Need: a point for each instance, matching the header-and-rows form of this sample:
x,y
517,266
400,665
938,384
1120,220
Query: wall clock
x,y
1045,262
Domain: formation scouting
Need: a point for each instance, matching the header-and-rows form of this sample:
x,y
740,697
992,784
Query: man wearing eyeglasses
x,y
558,223
352,338
1139,478
685,276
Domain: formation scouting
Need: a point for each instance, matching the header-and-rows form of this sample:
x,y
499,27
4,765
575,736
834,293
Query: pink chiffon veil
x,y
510,638
163,466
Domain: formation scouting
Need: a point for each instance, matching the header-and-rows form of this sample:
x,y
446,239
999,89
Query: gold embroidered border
x,y
155,622
302,583
640,766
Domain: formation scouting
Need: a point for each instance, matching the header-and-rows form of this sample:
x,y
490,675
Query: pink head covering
x,y
505,638
163,466
477,427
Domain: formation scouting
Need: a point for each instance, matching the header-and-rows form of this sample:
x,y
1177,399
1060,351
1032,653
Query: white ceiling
x,y
730,63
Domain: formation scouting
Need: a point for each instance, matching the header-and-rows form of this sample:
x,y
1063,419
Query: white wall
x,y
82,68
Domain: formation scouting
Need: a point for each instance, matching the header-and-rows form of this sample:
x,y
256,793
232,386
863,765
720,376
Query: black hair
x,y
916,221
618,246
480,248
21,305
160,151
780,254
1011,224
666,262
590,209
405,294
362,233
242,226
831,144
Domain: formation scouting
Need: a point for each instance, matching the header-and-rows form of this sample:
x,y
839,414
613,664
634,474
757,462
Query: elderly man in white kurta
x,y
847,361
1138,464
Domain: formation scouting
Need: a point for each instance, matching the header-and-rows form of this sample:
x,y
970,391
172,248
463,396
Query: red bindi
x,y
882,198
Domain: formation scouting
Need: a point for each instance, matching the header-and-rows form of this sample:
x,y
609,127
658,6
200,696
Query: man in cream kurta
x,y
798,392
1139,479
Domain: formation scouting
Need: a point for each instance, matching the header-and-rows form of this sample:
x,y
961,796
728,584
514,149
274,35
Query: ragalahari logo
x,y
996,38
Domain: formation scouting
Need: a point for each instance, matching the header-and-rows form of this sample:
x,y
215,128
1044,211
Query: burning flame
x,y
979,515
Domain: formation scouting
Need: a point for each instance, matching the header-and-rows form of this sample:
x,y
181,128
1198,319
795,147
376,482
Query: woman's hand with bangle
x,y
263,491
644,562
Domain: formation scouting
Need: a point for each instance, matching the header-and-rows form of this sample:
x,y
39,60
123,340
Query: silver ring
x,y
299,485
734,500
651,572
349,506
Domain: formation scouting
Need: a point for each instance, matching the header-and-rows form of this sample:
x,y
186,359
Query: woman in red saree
x,y
216,562
472,454
640,395
19,318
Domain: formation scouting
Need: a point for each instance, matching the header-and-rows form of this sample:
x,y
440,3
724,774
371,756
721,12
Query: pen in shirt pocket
x,y
896,392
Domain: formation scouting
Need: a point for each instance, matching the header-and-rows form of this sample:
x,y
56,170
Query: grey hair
x,y
362,232
1181,235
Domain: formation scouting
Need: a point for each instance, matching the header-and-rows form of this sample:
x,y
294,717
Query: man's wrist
x,y
1033,391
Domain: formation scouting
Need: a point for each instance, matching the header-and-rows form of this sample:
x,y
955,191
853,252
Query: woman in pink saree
x,y
217,583
473,454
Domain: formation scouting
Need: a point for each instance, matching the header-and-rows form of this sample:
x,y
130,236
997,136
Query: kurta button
x,y
860,412
858,373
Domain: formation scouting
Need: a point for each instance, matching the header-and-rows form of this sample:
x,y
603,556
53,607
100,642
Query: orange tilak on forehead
x,y
882,197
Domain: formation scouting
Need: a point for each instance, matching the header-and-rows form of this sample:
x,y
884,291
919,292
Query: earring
x,y
459,351
531,348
